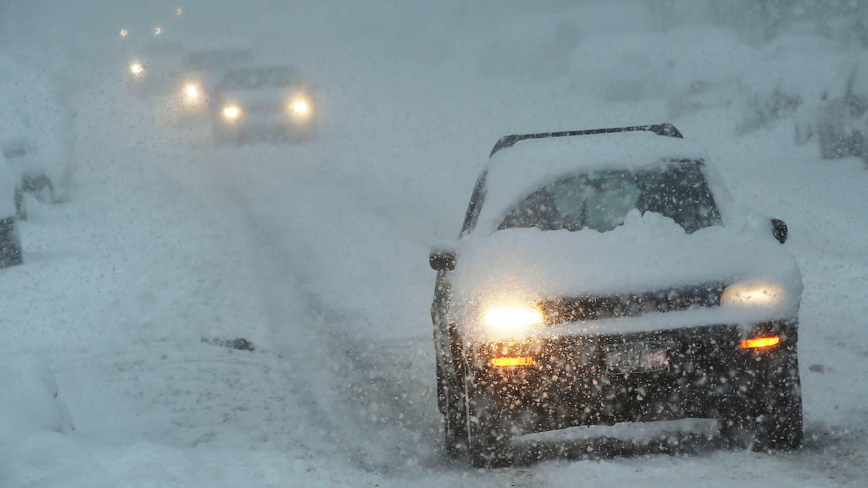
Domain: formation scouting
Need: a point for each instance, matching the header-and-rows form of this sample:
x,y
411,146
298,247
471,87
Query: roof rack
x,y
665,129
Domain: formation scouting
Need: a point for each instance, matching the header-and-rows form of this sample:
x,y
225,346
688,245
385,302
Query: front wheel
x,y
488,439
455,422
780,425
10,244
770,418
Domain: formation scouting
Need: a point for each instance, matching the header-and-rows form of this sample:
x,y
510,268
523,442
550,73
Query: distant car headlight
x,y
191,91
753,294
300,108
231,112
136,68
513,318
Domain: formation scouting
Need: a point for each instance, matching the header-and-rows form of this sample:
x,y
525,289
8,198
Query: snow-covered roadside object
x,y
689,68
797,74
35,130
30,401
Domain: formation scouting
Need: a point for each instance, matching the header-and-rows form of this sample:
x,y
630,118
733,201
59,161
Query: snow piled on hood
x,y
648,253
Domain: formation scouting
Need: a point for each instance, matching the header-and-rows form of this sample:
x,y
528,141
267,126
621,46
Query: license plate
x,y
636,357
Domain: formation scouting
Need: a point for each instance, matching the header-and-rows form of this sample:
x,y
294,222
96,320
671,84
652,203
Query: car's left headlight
x,y
301,108
191,92
753,294
513,317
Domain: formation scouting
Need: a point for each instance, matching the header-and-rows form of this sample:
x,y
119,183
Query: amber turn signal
x,y
510,361
760,342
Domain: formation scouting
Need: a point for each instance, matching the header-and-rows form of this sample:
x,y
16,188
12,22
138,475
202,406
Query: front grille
x,y
578,309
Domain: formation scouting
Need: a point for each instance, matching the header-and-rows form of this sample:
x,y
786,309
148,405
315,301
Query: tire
x,y
450,397
770,417
10,244
779,424
454,422
488,439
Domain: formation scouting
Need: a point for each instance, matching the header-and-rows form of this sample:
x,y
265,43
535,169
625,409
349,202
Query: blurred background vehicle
x,y
841,121
200,70
263,103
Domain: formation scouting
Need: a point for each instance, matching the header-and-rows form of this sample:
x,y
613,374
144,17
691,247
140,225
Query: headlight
x,y
300,108
753,294
512,318
231,112
136,68
191,91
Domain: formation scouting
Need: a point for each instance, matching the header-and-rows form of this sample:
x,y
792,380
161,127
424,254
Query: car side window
x,y
475,206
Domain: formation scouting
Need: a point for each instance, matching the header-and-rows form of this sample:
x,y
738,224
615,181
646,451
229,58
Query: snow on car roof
x,y
517,171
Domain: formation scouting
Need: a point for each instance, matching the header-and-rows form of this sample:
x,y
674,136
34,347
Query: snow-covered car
x,y
200,70
607,276
265,103
35,134
29,172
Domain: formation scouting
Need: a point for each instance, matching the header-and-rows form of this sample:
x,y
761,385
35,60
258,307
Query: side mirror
x,y
442,260
779,230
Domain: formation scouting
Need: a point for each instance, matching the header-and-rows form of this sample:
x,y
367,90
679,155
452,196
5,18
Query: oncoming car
x,y
200,70
263,103
607,276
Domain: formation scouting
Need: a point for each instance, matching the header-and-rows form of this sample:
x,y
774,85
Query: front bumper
x,y
569,383
265,126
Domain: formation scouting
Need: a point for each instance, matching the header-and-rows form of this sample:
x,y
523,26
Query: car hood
x,y
648,253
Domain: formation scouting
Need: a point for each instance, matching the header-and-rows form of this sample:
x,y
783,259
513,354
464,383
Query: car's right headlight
x,y
136,68
513,317
753,294
301,108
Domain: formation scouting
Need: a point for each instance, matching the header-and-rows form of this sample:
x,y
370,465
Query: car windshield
x,y
253,79
601,200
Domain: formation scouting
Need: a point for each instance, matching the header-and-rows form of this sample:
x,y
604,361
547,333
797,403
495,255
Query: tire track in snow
x,y
359,392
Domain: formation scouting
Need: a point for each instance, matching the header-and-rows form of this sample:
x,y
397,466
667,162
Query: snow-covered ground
x,y
171,248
